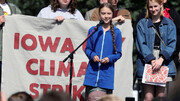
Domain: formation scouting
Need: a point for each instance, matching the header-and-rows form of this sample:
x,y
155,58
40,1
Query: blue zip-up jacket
x,y
101,44
145,43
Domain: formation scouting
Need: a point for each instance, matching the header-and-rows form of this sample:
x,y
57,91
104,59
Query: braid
x,y
113,36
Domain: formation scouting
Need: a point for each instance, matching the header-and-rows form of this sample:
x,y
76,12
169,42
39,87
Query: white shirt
x,y
47,12
6,9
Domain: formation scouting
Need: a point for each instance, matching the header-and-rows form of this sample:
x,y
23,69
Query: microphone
x,y
100,23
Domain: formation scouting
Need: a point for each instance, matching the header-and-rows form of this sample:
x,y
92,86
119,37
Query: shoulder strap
x,y
159,36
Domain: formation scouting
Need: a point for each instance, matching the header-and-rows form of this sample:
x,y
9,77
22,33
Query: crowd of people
x,y
156,34
54,96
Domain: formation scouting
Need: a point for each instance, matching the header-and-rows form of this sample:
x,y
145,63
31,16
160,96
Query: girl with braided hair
x,y
103,49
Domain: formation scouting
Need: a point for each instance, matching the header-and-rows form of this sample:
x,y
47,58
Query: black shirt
x,y
157,40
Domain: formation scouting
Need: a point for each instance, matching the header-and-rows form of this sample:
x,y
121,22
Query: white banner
x,y
34,48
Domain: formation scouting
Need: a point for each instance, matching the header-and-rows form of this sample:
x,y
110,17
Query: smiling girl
x,y
103,49
156,42
60,10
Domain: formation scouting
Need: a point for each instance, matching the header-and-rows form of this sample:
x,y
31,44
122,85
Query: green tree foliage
x,y
32,7
85,5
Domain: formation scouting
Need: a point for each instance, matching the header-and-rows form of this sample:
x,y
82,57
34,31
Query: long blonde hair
x,y
147,7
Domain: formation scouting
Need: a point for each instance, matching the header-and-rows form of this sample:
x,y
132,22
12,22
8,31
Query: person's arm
x,y
171,42
125,13
156,64
2,96
89,47
141,43
122,15
2,20
119,18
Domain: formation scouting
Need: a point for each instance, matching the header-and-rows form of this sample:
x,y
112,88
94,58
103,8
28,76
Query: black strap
x,y
159,36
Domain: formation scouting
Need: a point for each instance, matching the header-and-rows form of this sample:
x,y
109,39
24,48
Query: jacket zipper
x,y
99,65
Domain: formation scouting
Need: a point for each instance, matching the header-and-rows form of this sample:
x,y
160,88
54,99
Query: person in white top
x,y
60,10
5,8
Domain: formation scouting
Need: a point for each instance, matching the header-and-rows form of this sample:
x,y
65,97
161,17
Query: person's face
x,y
106,14
154,8
64,3
103,1
113,2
